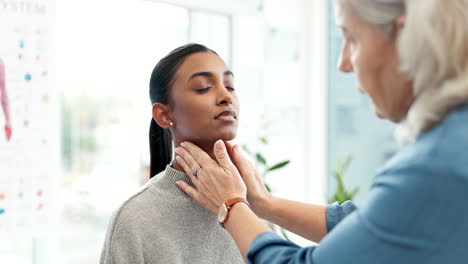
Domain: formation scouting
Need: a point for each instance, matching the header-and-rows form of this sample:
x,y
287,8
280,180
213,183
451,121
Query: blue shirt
x,y
416,212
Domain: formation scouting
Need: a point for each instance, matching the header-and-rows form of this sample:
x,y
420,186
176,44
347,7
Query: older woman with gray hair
x,y
411,58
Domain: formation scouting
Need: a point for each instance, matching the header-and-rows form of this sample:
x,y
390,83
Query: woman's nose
x,y
344,63
224,96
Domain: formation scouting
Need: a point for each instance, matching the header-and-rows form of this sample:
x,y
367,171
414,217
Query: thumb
x,y
240,161
221,154
236,157
230,148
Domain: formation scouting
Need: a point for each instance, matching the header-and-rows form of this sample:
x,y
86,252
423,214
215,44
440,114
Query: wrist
x,y
225,209
233,211
264,206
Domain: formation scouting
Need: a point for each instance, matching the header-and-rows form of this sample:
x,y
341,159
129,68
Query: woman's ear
x,y
161,115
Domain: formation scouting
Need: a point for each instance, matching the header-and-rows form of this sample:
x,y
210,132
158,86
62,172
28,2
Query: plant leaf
x,y
342,194
279,165
347,162
283,232
340,197
264,140
260,159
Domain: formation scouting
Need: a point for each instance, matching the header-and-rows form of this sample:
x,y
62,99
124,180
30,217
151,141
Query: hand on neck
x,y
206,147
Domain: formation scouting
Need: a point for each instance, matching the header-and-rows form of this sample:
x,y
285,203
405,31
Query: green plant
x,y
342,194
264,166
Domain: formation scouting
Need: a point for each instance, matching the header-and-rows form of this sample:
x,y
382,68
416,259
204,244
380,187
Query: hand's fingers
x,y
238,159
230,148
188,170
221,155
197,196
235,155
192,192
197,153
189,159
242,164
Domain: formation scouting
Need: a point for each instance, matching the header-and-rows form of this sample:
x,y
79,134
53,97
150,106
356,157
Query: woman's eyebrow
x,y
209,74
229,73
205,74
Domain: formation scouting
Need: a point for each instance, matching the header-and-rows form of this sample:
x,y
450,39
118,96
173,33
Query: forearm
x,y
244,226
303,219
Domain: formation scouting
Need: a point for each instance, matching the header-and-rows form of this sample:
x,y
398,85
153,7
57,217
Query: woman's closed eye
x,y
202,90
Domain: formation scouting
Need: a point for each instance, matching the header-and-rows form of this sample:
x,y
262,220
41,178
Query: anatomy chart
x,y
27,122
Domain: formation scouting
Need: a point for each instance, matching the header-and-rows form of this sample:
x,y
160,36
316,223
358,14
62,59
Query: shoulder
x,y
134,212
151,204
449,140
130,209
441,149
419,189
124,231
435,166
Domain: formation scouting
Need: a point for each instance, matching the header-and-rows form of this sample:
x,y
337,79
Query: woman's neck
x,y
206,147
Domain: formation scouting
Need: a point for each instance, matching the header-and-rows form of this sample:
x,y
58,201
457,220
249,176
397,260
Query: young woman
x,y
193,97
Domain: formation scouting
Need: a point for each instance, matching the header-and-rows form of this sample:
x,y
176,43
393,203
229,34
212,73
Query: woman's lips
x,y
226,116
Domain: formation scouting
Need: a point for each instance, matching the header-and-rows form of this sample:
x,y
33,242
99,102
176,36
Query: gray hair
x,y
381,13
433,48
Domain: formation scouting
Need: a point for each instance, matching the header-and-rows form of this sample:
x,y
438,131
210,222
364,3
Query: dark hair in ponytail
x,y
162,78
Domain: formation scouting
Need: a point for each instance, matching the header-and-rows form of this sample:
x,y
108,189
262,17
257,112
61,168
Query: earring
x,y
171,123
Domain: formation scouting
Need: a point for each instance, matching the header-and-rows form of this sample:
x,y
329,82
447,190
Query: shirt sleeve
x,y
270,248
408,218
336,212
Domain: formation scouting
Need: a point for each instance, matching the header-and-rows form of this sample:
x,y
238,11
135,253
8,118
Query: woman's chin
x,y
378,112
227,136
211,136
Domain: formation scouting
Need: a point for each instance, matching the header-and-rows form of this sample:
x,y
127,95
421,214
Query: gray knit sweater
x,y
161,224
